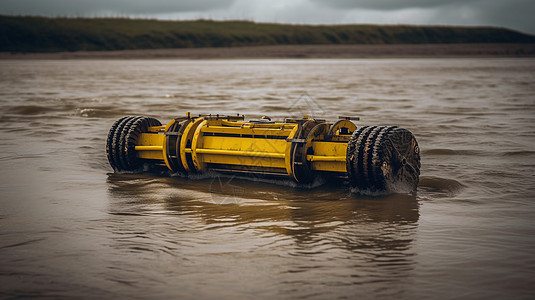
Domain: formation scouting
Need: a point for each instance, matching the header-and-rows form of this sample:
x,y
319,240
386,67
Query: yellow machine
x,y
372,158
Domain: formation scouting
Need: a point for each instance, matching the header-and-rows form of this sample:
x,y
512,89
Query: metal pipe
x,y
149,148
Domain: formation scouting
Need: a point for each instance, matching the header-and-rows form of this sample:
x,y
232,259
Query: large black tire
x,y
112,147
121,142
109,141
382,160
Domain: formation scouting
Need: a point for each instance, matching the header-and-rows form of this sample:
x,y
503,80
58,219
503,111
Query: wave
x,y
445,151
68,109
441,185
23,243
518,153
97,112
29,109
272,108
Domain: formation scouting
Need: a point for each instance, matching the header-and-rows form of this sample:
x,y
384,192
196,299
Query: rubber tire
x,y
109,141
383,159
121,157
122,137
112,139
130,160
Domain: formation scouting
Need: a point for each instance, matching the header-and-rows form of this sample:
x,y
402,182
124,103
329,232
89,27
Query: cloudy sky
x,y
515,14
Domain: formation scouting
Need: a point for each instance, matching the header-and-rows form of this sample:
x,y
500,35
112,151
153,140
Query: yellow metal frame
x,y
223,143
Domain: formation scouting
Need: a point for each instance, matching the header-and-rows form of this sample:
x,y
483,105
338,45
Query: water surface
x,y
70,227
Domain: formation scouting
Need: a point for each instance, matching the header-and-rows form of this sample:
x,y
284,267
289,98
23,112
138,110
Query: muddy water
x,y
69,227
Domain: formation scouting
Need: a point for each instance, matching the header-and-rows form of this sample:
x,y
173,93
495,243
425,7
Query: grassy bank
x,y
40,34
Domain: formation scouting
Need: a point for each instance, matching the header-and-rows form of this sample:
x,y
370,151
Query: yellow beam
x,y
187,136
248,130
156,155
243,144
241,153
313,158
156,129
198,142
254,161
149,148
150,139
328,156
329,148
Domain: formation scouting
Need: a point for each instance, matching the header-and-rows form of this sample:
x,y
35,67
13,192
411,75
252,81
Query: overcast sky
x,y
515,14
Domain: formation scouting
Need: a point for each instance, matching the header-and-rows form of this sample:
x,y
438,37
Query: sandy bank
x,y
299,51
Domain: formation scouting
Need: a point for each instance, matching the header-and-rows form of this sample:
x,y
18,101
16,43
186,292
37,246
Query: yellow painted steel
x,y
240,153
328,156
288,153
150,146
242,158
157,128
246,130
245,144
222,143
186,140
341,124
198,143
329,148
166,128
314,158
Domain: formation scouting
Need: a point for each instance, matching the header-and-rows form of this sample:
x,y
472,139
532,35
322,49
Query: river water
x,y
70,227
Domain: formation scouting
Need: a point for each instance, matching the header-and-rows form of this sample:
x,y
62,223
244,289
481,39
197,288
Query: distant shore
x,y
299,51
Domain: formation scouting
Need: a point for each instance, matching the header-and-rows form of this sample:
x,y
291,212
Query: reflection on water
x,y
70,228
316,231
257,201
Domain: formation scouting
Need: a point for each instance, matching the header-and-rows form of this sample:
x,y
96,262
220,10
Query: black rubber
x,y
383,159
121,142
351,145
376,173
357,164
111,142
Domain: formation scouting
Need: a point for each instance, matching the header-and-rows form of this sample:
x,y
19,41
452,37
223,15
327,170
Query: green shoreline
x,y
45,35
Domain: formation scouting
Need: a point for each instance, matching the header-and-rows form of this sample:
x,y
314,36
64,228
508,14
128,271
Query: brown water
x,y
69,227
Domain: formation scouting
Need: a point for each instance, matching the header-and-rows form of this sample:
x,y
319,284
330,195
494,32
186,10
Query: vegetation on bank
x,y
41,34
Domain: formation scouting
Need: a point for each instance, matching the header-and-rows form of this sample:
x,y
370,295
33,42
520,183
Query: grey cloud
x,y
517,14
387,4
84,7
